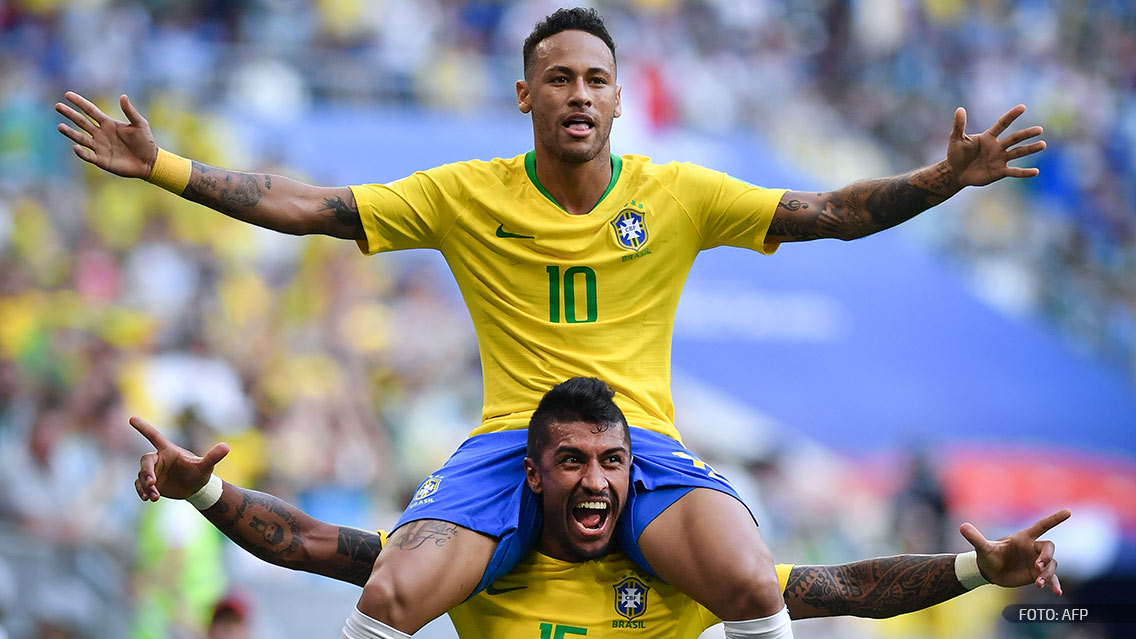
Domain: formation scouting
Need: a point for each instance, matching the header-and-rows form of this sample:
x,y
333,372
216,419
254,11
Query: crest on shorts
x,y
631,226
428,487
631,597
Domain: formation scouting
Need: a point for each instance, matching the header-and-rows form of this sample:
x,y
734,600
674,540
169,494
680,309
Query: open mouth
x,y
591,515
579,125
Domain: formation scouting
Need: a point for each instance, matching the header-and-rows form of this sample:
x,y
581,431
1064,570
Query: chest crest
x,y
630,226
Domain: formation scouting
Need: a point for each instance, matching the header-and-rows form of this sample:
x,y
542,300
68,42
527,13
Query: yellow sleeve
x,y
783,571
726,210
414,212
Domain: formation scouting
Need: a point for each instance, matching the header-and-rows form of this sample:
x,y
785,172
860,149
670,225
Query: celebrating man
x,y
578,460
571,261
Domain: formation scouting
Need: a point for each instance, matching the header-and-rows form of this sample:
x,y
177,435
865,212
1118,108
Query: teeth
x,y
592,505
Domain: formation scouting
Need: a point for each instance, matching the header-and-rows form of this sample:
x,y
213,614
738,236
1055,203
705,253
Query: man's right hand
x,y
127,148
170,470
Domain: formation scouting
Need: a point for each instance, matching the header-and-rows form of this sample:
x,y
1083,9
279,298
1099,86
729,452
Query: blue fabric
x,y
663,471
482,487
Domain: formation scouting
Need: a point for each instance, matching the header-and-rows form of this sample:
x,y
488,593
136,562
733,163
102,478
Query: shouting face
x,y
582,477
571,93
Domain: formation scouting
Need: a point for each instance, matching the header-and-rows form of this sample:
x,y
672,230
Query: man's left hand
x,y
1018,559
978,160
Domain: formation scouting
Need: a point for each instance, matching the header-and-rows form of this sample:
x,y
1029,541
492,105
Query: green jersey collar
x,y
530,168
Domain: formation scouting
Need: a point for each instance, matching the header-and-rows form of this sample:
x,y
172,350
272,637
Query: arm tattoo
x,y
343,213
864,208
823,221
290,207
229,192
361,548
262,525
416,534
876,588
902,198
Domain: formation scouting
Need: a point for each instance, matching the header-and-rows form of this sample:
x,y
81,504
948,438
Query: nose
x,y
593,480
580,95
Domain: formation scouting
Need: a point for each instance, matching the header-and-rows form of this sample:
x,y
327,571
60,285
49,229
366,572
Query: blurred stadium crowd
x,y
341,381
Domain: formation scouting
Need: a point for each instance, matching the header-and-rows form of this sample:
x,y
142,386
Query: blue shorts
x,y
662,471
482,487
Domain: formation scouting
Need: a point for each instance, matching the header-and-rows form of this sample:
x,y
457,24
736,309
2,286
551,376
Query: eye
x,y
599,80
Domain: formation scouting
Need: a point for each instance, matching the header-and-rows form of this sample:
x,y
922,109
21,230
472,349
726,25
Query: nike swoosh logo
x,y
500,591
501,232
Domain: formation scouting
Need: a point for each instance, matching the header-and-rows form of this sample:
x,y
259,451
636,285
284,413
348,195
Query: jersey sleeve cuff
x,y
365,217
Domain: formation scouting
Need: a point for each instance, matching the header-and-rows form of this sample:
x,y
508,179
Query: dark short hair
x,y
580,399
576,19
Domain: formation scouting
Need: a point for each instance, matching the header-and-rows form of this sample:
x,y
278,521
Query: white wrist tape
x,y
776,626
360,626
208,495
967,572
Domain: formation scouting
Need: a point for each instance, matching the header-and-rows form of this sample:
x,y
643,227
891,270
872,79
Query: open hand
x,y
1018,559
977,160
123,148
170,470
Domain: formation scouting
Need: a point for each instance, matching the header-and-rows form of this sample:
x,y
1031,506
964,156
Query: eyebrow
x,y
576,451
564,69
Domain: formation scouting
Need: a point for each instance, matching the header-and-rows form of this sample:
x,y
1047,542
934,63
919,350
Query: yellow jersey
x,y
554,295
607,597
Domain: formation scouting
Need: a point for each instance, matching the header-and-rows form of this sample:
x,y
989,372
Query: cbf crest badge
x,y
631,597
428,487
631,226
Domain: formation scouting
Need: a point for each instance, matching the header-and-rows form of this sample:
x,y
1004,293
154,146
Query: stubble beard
x,y
574,153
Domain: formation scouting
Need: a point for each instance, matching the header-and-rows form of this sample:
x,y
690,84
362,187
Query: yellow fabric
x,y
553,295
977,615
171,172
549,598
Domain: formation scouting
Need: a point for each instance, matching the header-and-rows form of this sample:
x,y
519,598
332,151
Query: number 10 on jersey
x,y
562,288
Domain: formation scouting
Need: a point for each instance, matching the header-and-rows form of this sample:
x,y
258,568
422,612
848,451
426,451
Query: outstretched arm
x,y
890,586
266,526
870,206
128,149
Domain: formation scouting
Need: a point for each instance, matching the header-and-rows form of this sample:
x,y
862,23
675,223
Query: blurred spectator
x,y
63,609
7,598
230,619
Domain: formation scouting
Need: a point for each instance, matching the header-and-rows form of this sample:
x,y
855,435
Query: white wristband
x,y
208,495
360,626
967,572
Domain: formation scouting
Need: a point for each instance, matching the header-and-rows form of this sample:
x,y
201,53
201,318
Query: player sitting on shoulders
x,y
571,260
578,464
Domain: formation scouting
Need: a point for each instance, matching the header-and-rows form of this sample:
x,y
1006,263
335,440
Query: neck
x,y
577,187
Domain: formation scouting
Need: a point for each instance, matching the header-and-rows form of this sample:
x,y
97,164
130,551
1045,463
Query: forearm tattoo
x,y
899,199
822,221
420,533
263,525
865,207
361,549
230,192
344,214
876,588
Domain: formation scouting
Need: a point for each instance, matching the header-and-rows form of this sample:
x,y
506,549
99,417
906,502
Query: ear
x,y
532,475
524,98
618,104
